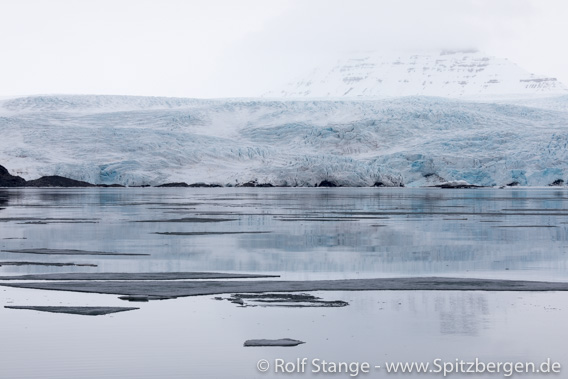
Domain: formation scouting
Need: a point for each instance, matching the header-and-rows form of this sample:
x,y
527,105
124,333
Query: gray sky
x,y
222,48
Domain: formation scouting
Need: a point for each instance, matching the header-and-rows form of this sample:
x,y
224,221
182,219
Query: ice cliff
x,y
410,140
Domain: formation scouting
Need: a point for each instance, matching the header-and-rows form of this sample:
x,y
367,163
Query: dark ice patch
x,y
66,252
191,219
282,342
289,300
83,311
56,264
204,233
136,276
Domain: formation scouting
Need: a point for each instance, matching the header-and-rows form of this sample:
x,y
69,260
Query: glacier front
x,y
411,141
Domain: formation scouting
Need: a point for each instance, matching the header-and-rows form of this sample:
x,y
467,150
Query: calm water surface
x,y
310,234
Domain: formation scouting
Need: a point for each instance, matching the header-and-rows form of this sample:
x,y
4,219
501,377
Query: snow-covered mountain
x,y
451,73
411,141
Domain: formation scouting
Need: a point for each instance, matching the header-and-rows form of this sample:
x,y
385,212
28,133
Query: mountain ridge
x,y
467,74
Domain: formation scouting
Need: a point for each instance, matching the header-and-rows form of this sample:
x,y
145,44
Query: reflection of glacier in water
x,y
310,232
462,313
183,336
314,233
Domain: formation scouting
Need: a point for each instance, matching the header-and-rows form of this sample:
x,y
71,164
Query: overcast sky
x,y
231,48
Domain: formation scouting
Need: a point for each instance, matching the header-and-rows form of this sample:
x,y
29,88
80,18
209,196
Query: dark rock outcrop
x,y
247,184
8,180
456,184
381,184
205,185
57,181
557,182
450,186
327,183
110,185
177,184
254,183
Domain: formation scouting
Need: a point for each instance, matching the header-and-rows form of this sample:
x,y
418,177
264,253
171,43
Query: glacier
x,y
410,141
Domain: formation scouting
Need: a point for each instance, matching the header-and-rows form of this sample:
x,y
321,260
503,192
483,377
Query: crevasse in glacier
x,y
410,140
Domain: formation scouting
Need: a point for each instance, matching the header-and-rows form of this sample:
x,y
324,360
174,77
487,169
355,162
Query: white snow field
x,y
450,73
413,141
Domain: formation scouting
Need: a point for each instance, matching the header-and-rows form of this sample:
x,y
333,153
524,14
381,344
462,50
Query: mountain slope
x,y
411,141
453,74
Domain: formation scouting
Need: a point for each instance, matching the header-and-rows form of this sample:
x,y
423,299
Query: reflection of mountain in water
x,y
394,232
462,313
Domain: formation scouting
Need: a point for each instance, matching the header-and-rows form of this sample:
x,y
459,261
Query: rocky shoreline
x,y
8,180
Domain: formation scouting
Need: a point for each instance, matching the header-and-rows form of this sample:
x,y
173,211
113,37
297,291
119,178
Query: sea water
x,y
306,233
